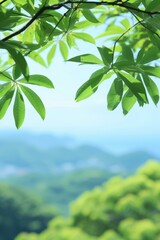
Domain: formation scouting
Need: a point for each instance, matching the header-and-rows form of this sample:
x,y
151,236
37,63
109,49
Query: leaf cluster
x,y
126,35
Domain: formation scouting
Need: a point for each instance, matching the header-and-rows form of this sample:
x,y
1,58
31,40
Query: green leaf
x,y
16,73
86,58
153,71
70,40
63,49
128,101
115,94
19,109
152,88
5,102
135,85
87,5
5,77
51,54
89,16
127,53
89,87
106,54
148,55
4,88
18,58
84,36
39,80
35,100
154,5
37,58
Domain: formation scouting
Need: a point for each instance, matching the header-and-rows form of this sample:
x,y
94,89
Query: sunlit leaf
x,y
5,102
39,80
89,87
152,88
115,94
84,36
51,54
64,49
135,85
89,16
35,100
19,109
4,88
86,58
106,54
128,101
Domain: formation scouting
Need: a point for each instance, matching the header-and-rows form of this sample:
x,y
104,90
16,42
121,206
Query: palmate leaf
x,y
89,87
5,102
4,88
63,49
106,55
51,54
35,100
84,36
115,94
5,77
89,16
135,85
86,58
152,71
39,80
19,109
128,101
16,73
152,88
18,58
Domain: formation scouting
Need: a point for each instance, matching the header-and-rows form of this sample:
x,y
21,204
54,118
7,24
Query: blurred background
x,y
60,171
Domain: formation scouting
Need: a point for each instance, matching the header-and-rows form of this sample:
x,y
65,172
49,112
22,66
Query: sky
x,y
89,120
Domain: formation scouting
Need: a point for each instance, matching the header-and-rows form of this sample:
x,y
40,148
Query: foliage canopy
x,y
125,33
122,209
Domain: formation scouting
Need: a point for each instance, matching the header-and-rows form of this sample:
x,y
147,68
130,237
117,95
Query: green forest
x,y
121,208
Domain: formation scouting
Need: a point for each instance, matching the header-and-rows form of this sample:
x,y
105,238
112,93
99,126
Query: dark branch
x,y
2,2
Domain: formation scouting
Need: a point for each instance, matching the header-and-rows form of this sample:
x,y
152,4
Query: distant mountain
x,y
58,168
28,153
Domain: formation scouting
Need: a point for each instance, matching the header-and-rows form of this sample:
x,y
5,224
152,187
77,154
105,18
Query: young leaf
x,y
128,101
115,94
63,49
35,100
19,109
152,88
89,87
5,102
84,36
5,77
39,80
51,54
37,58
86,58
89,16
4,88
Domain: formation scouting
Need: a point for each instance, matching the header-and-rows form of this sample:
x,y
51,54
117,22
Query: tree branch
x,y
3,2
64,4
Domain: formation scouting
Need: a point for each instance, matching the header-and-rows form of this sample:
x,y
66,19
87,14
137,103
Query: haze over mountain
x,y
26,152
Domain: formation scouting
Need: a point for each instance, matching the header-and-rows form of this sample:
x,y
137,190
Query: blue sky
x,y
88,120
